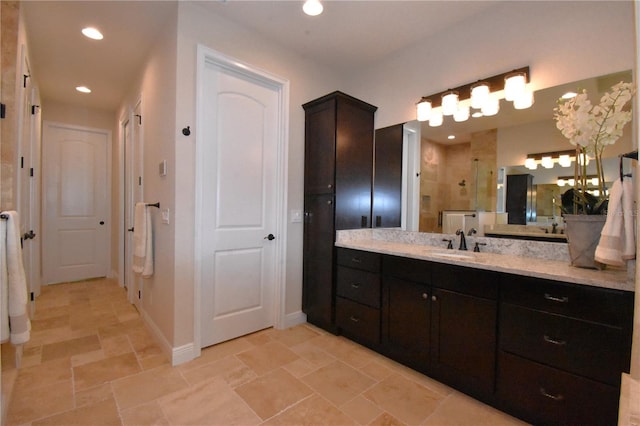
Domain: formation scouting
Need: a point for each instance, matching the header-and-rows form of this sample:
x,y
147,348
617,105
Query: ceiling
x,y
347,36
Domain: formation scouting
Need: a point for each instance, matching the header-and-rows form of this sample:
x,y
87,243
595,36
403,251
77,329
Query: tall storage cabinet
x,y
337,192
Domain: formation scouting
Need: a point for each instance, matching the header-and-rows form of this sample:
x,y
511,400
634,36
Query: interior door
x,y
238,204
76,207
132,133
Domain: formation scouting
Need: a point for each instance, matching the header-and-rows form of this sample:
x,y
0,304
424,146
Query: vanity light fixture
x,y
92,33
436,117
479,94
483,96
312,7
548,159
424,110
515,85
451,137
461,114
450,102
570,180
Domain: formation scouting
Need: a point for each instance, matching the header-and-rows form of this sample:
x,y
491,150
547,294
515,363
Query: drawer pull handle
x,y
563,299
553,341
356,260
558,398
354,319
355,285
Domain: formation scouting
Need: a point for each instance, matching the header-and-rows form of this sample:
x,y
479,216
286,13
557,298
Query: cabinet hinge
x,y
24,79
31,172
33,296
33,109
139,294
3,110
139,180
22,162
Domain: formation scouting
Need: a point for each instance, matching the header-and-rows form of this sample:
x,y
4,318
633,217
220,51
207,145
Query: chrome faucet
x,y
463,241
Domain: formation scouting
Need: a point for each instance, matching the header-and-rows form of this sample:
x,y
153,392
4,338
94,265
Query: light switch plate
x,y
296,216
165,216
162,168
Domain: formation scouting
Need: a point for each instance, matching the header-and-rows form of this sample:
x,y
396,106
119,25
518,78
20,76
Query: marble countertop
x,y
548,236
559,270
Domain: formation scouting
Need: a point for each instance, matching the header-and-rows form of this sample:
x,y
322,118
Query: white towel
x,y
453,222
617,240
15,322
142,241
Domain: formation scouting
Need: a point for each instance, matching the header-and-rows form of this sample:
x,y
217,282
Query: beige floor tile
x,y
459,410
376,370
208,403
120,328
143,343
44,374
260,338
294,335
312,353
386,419
404,399
116,345
147,386
146,414
362,410
217,352
30,404
93,395
338,382
98,372
314,410
70,347
270,394
267,357
86,358
99,414
230,369
50,322
153,361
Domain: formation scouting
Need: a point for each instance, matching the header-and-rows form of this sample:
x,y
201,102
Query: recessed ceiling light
x,y
450,137
92,33
569,95
83,89
312,7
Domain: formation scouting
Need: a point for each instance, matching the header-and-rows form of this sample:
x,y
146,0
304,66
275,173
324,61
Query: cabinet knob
x,y
425,296
329,202
434,298
558,397
330,186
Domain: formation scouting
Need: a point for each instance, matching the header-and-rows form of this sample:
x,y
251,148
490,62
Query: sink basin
x,y
451,254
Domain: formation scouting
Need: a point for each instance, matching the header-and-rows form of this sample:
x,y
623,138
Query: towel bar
x,y
153,204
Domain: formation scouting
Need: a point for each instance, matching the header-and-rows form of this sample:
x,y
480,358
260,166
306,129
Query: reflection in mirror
x,y
469,173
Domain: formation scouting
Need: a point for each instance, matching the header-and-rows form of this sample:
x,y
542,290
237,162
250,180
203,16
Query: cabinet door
x,y
408,318
318,248
387,180
354,164
520,199
463,347
319,148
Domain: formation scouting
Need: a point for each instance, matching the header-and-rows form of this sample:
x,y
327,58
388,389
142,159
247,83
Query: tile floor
x,y
91,361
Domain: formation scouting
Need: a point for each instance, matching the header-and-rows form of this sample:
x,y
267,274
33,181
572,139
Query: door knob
x,y
270,237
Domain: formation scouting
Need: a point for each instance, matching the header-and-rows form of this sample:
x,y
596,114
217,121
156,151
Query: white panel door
x,y
238,205
76,206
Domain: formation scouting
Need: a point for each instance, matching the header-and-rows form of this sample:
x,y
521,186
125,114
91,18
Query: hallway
x,y
91,361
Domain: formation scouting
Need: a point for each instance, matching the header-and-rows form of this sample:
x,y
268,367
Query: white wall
x,y
561,41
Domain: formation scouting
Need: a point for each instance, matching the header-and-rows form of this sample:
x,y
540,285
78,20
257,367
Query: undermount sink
x,y
451,254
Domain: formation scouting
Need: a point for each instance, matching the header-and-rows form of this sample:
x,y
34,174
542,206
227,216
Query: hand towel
x,y
453,222
142,241
617,239
15,322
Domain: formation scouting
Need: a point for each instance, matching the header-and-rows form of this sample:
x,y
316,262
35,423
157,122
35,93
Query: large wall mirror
x,y
468,173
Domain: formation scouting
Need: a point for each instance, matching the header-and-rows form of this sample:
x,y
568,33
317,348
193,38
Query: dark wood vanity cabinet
x,y
406,311
358,295
562,349
337,192
464,328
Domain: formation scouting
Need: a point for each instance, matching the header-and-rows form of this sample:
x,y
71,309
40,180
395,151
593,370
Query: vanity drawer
x,y
544,395
475,282
358,321
358,259
601,305
418,271
359,286
592,350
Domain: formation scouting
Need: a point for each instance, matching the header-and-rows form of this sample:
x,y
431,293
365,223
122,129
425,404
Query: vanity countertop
x,y
558,270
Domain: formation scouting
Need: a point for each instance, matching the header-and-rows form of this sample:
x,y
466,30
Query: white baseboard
x,y
177,355
294,318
